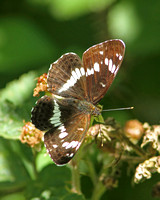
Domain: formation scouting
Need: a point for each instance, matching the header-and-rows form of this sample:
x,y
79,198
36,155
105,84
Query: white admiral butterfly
x,y
76,88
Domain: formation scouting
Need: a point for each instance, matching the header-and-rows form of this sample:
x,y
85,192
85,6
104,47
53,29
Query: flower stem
x,y
76,186
98,191
92,171
137,149
34,163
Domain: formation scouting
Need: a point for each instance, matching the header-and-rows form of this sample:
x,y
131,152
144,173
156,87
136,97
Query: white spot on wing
x,y
55,146
101,52
62,128
58,97
96,67
116,70
63,135
102,84
82,71
89,71
74,75
113,68
120,57
78,146
106,61
65,144
69,82
78,73
71,155
72,144
80,129
110,65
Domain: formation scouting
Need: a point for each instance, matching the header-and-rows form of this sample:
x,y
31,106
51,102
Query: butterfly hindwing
x,y
49,112
42,112
66,127
64,141
101,63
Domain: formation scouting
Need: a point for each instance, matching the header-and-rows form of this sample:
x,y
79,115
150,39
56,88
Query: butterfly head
x,y
96,110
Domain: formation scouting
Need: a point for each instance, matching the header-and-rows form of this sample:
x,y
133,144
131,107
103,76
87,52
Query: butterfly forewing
x,y
64,141
101,63
66,77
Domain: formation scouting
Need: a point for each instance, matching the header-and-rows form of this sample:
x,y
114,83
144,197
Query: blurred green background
x,y
35,33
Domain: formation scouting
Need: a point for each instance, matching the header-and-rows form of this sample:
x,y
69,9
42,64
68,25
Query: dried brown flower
x,y
152,134
144,170
31,135
134,130
41,85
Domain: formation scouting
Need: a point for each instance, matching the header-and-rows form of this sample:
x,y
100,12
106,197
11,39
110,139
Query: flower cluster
x,y
41,85
31,135
144,170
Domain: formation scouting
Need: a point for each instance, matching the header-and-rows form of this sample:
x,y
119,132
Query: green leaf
x,y
18,91
13,174
74,196
15,105
57,194
43,159
15,196
52,179
11,121
99,119
55,176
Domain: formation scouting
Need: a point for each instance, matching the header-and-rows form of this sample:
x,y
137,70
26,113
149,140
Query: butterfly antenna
x,y
115,109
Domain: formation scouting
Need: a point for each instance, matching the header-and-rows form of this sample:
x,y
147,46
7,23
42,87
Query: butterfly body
x,y
76,87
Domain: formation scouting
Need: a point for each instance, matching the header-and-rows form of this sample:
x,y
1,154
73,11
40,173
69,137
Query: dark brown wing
x,y
49,112
101,63
64,141
66,127
66,77
43,112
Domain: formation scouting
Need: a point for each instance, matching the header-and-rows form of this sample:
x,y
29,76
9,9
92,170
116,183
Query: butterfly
x,y
76,87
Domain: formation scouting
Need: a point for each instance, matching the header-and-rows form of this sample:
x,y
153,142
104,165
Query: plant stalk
x,y
98,191
76,186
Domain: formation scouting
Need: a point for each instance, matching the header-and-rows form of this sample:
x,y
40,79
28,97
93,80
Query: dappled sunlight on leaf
x,y
19,90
